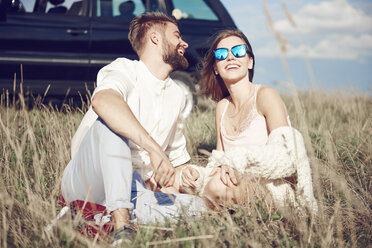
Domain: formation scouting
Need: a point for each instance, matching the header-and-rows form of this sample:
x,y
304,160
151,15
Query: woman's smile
x,y
232,67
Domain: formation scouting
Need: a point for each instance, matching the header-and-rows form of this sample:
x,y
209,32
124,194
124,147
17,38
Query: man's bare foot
x,y
120,217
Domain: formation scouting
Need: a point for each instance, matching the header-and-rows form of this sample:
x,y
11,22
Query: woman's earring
x,y
215,73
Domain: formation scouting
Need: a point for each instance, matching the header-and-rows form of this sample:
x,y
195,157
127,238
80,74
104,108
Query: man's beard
x,y
173,58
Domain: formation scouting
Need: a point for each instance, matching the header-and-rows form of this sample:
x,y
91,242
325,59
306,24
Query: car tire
x,y
186,82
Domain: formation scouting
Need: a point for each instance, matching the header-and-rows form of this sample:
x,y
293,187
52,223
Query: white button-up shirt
x,y
156,104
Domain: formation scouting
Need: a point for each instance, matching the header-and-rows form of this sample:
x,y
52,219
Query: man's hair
x,y
141,24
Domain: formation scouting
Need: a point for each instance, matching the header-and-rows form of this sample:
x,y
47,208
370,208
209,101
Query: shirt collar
x,y
157,84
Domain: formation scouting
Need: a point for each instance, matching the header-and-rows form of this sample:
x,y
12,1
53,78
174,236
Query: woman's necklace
x,y
238,116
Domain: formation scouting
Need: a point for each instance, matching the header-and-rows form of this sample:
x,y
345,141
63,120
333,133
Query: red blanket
x,y
88,210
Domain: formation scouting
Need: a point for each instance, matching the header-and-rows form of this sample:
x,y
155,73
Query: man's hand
x,y
169,190
164,172
189,176
228,174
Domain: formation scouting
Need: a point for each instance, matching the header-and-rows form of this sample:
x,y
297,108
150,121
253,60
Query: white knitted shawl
x,y
282,156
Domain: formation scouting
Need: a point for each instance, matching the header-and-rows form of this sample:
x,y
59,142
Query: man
x,y
134,121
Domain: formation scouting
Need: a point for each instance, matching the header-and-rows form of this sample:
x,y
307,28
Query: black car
x,y
61,44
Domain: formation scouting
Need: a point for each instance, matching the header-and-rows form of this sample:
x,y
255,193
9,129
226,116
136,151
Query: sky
x,y
325,44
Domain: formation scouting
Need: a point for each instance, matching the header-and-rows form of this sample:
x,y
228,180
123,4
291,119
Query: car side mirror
x,y
6,6
15,6
10,6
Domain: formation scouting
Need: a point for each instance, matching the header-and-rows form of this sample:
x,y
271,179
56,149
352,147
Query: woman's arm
x,y
228,174
219,108
272,107
279,158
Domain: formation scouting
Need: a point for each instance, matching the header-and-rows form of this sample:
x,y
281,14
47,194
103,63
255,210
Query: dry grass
x,y
337,129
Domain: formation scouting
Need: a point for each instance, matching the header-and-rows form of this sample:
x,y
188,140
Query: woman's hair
x,y
141,24
213,84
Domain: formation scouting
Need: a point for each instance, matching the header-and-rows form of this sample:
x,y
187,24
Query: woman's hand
x,y
228,174
189,177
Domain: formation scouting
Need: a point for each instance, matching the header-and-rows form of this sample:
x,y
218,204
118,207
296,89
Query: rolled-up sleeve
x,y
114,77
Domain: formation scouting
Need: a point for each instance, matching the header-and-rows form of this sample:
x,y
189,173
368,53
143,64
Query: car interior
x,y
57,8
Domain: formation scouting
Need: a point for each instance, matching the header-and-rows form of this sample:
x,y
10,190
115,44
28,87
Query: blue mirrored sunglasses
x,y
238,51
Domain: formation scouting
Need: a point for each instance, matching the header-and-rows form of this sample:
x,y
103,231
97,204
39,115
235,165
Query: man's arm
x,y
111,107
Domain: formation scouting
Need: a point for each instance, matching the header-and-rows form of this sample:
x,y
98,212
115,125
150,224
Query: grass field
x,y
35,148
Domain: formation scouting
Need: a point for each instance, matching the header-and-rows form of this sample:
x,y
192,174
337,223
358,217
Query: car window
x,y
17,6
120,8
65,7
23,6
53,7
193,9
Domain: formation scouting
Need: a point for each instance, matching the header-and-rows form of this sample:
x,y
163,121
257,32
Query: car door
x,y
110,27
50,39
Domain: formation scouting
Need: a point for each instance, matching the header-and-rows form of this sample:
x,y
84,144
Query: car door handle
x,y
76,31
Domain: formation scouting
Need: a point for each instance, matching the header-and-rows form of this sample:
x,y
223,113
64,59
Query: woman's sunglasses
x,y
238,51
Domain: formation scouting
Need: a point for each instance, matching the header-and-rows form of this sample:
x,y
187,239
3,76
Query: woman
x,y
253,131
245,112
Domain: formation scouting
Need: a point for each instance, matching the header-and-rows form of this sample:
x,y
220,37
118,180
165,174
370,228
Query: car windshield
x,y
121,8
193,9
50,7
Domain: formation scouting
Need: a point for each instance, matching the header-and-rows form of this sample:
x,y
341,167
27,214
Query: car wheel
x,y
186,82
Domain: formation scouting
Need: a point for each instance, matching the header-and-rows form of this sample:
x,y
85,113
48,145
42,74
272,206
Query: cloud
x,y
271,49
336,15
326,30
335,47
